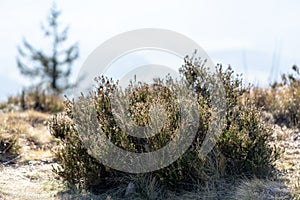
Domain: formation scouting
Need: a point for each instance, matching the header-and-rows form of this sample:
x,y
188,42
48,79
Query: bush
x,y
243,144
242,148
77,167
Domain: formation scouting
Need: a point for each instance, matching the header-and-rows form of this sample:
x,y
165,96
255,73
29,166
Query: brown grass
x,y
29,129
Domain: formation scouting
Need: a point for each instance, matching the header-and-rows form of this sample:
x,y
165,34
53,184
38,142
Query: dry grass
x,y
29,175
33,98
29,129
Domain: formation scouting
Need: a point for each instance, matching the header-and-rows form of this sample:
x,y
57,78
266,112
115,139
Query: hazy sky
x,y
253,36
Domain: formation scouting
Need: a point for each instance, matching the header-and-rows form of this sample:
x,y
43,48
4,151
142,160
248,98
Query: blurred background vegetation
x,y
39,122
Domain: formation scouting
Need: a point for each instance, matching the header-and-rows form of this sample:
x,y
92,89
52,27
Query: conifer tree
x,y
53,66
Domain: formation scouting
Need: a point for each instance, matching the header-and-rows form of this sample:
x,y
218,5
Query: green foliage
x,y
243,143
77,167
242,148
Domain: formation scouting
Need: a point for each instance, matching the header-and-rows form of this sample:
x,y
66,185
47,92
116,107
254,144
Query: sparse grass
x,y
34,99
282,99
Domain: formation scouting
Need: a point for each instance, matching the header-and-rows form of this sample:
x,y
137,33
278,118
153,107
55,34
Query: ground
x,y
29,175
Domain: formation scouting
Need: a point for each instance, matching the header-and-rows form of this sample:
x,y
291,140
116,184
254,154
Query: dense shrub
x,y
242,148
243,143
77,167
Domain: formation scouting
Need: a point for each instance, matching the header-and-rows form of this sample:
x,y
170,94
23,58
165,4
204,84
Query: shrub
x,y
244,140
242,148
77,167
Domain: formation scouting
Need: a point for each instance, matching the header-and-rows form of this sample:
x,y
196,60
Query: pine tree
x,y
52,69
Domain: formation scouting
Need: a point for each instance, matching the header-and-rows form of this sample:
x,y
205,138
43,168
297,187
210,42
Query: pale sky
x,y
252,36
